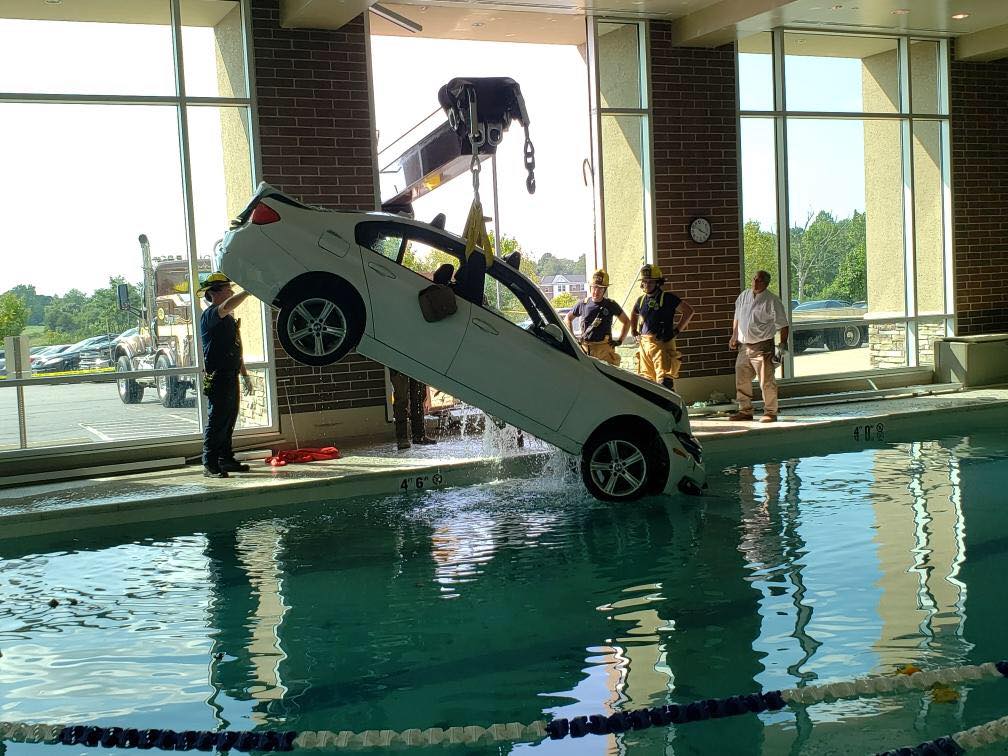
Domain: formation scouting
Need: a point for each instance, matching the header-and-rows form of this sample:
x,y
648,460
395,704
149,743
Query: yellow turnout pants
x,y
601,350
657,359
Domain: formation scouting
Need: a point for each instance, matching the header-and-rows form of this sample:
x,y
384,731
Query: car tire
x,y
170,390
130,392
321,323
619,464
850,337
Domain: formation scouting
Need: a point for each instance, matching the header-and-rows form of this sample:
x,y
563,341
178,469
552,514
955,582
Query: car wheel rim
x,y
851,336
317,327
618,468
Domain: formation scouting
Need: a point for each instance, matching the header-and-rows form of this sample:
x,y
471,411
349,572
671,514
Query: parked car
x,y
812,326
339,284
97,354
45,353
70,357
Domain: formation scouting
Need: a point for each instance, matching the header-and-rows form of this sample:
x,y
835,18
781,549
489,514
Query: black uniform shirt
x,y
596,318
657,312
222,349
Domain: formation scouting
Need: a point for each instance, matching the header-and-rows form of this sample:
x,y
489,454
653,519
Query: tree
x,y
64,314
816,250
564,300
35,302
548,265
760,252
13,315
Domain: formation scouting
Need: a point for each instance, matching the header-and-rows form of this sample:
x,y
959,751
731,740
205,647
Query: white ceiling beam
x,y
989,44
320,14
718,24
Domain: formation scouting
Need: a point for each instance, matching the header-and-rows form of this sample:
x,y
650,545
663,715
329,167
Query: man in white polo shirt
x,y
759,314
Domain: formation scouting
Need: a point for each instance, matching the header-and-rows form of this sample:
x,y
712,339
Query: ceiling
x,y
981,35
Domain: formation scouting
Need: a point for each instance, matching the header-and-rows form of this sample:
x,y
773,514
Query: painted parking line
x,y
129,430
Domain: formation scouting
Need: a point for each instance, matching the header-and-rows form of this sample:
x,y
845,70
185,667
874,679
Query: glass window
x,y
619,66
845,237
212,48
112,178
136,57
755,64
759,201
841,74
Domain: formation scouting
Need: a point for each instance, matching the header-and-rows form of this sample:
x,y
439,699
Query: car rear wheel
x,y
171,391
618,465
801,343
130,392
321,323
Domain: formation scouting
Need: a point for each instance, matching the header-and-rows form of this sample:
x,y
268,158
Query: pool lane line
x,y
556,729
957,743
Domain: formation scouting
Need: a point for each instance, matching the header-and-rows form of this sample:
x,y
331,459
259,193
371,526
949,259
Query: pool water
x,y
524,599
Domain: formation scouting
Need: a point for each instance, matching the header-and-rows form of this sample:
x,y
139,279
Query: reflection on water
x,y
519,599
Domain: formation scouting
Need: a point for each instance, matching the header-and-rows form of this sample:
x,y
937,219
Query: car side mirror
x,y
122,296
554,331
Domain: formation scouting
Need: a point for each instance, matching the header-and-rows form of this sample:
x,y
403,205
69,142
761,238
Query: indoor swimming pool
x,y
522,600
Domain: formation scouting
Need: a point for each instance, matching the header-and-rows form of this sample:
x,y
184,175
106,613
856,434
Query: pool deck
x,y
380,469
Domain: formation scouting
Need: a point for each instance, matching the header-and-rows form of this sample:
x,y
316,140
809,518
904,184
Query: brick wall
x,y
979,114
696,173
315,137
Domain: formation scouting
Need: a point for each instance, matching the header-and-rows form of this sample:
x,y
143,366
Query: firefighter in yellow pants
x,y
597,313
653,321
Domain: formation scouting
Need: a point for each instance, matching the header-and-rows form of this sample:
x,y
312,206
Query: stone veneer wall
x,y
316,143
887,342
696,173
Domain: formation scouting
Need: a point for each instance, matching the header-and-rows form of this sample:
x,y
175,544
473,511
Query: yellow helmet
x,y
651,271
212,280
600,278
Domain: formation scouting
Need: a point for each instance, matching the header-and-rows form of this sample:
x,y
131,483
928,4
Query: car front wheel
x,y
320,324
618,465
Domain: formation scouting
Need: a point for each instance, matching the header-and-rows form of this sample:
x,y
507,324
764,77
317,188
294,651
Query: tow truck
x,y
165,337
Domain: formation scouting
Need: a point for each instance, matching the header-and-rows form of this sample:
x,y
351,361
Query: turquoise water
x,y
519,600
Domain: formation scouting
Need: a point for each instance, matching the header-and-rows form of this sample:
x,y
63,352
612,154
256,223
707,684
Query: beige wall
x,y
883,179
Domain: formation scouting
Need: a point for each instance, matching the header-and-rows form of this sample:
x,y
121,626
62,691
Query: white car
x,y
339,283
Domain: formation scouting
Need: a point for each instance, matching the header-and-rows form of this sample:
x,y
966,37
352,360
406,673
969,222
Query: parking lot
x,y
80,413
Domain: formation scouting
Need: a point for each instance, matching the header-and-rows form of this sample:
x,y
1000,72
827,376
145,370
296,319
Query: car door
x,y
393,289
523,369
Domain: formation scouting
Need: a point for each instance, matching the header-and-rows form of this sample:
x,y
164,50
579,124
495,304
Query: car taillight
x,y
263,214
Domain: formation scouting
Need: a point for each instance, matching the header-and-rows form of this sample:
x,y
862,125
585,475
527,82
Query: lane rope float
x,y
556,729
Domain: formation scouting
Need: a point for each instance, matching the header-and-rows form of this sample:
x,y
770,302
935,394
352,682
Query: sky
x,y
83,181
559,217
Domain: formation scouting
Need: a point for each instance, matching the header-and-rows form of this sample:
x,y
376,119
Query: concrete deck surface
x,y
382,470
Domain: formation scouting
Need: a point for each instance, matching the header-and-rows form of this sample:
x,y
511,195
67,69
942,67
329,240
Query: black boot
x,y
212,471
233,465
423,440
668,383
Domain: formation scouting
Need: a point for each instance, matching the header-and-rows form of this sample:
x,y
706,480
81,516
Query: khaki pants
x,y
601,350
657,360
756,360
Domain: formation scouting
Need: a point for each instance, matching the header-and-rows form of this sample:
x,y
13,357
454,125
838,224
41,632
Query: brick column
x,y
315,137
696,174
978,105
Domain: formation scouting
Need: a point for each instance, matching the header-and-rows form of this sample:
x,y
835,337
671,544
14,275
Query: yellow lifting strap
x,y
475,233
